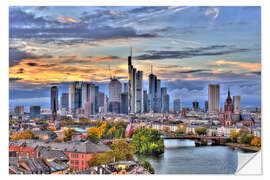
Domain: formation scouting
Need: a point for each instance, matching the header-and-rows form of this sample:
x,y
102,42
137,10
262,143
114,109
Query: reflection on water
x,y
182,157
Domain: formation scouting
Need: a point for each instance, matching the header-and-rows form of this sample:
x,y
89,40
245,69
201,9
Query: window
x,y
82,162
76,162
72,161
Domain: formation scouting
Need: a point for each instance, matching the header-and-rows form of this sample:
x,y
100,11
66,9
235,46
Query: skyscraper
x,y
214,97
176,105
165,103
163,91
19,110
236,104
34,112
124,103
115,88
64,101
126,87
157,98
96,98
75,96
145,102
139,92
195,105
152,89
54,102
205,106
131,85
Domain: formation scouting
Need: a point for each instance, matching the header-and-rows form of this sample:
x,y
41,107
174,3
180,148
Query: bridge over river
x,y
201,140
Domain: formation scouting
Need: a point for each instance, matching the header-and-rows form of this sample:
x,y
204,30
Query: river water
x,y
182,157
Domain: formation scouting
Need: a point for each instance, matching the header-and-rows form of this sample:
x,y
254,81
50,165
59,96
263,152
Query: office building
x,y
165,103
176,105
126,87
205,106
152,90
139,92
124,103
34,112
96,98
214,97
236,104
195,106
54,102
145,102
131,85
64,101
19,110
115,88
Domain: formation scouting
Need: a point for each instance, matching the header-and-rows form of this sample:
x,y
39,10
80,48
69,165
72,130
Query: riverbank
x,y
243,146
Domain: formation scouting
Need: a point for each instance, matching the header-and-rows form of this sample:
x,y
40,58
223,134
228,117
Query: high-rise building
x,y
54,102
176,105
214,97
165,103
145,102
101,99
124,103
157,99
34,112
152,90
75,96
126,87
205,106
163,92
115,88
195,105
19,110
82,98
236,104
64,101
131,85
96,98
139,92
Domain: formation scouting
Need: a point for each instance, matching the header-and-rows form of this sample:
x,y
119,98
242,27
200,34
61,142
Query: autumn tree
x,y
234,135
243,131
201,130
68,134
24,135
165,128
256,142
93,134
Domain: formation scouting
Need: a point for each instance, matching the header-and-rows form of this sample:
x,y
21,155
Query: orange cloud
x,y
66,19
244,65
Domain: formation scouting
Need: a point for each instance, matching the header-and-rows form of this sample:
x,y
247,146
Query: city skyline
x,y
186,57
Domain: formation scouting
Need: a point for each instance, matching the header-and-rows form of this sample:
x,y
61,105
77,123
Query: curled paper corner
x,y
249,163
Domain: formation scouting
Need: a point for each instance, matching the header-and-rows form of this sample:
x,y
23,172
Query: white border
x,y
265,72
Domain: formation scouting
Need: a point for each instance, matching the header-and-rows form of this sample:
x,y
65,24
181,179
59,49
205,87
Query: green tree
x,y
246,139
201,130
68,134
234,135
147,141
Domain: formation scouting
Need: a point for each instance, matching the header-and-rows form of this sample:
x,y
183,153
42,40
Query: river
x,y
182,157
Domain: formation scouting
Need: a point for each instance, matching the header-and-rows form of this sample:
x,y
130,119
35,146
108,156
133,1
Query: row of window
x,y
73,155
76,162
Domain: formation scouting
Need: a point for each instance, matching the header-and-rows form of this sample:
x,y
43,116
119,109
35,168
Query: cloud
x,y
194,71
213,50
212,12
66,19
244,65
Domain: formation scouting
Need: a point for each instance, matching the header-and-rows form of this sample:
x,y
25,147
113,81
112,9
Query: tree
x,y
52,128
246,139
243,131
234,135
256,142
148,166
123,151
24,135
201,130
68,134
147,141
93,134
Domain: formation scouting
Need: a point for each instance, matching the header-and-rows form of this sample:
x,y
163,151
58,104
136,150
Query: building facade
x,y
214,97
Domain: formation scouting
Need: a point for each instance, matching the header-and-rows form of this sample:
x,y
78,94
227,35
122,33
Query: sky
x,y
189,48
